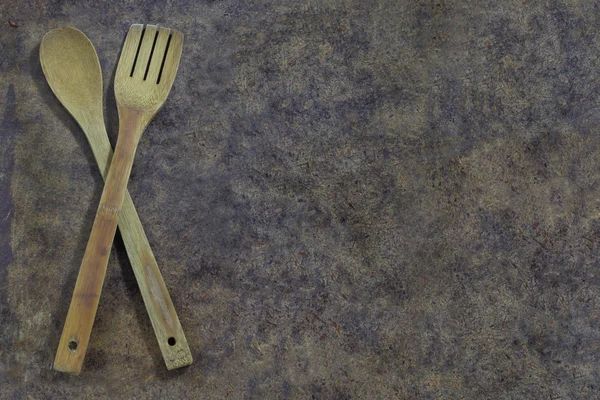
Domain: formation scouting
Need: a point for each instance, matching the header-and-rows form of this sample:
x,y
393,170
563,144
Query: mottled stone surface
x,y
348,200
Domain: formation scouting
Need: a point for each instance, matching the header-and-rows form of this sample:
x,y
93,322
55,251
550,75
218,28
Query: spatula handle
x,y
86,295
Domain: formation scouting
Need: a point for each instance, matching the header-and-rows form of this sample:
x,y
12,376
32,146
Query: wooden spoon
x,y
72,69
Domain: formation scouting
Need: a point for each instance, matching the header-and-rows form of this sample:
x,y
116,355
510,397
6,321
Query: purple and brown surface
x,y
373,199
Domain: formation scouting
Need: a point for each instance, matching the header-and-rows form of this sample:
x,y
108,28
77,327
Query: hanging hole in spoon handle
x,y
171,341
73,345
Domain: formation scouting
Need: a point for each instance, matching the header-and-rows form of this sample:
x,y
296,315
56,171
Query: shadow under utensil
x,y
111,113
50,101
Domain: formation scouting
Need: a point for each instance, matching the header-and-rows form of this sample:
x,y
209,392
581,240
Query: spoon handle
x,y
167,328
163,316
86,295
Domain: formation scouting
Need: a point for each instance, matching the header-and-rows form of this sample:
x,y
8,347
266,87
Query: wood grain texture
x,y
71,66
72,69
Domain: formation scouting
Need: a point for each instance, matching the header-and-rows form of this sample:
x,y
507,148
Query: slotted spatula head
x,y
147,67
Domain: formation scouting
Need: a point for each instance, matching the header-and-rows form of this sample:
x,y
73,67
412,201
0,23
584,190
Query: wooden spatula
x,y
72,69
145,74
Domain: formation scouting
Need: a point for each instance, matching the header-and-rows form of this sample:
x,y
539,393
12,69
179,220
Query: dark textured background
x,y
348,200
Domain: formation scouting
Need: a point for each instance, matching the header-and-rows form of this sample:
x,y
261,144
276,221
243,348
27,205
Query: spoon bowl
x,y
72,69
